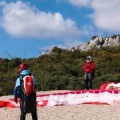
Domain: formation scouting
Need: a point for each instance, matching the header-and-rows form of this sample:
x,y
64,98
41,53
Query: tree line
x,y
61,69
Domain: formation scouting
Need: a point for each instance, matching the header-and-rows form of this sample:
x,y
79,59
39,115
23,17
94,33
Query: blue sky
x,y
28,28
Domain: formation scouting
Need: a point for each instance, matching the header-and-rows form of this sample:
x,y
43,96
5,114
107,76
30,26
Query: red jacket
x,y
89,66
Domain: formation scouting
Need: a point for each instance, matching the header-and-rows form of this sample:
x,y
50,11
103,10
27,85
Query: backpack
x,y
27,84
28,103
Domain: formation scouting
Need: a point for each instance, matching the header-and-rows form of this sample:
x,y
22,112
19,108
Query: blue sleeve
x,y
17,82
34,81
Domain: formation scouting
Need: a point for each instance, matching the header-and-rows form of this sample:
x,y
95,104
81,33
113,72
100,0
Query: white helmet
x,y
89,58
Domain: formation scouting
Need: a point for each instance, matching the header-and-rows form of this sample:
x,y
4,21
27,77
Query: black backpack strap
x,y
21,81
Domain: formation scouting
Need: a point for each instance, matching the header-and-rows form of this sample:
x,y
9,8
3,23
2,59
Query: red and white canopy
x,y
109,97
109,93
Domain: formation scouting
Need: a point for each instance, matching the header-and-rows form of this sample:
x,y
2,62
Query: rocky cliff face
x,y
98,42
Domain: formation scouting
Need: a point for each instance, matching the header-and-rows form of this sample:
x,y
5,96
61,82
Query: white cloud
x,y
80,3
72,43
66,45
21,19
49,47
106,15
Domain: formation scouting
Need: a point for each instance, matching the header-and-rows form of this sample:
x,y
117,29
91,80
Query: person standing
x,y
89,69
27,101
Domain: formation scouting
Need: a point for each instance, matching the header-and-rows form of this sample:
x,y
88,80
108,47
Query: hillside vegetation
x,y
62,69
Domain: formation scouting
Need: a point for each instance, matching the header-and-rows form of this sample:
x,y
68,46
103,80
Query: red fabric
x,y
96,103
103,86
88,66
59,99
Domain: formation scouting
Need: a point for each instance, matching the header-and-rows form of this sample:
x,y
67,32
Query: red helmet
x,y
22,66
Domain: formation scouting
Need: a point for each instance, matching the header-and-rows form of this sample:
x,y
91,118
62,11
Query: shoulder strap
x,y
21,81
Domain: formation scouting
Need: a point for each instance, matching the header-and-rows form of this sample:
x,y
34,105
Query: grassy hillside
x,y
62,69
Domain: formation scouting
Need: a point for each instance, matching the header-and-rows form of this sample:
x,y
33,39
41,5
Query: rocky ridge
x,y
98,42
95,42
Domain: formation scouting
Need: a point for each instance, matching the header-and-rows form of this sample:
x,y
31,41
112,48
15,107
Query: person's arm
x,y
17,88
84,66
35,83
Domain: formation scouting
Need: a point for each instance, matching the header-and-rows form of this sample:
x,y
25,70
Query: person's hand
x,y
87,66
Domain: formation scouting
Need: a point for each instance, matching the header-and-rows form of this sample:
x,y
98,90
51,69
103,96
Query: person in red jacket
x,y
89,68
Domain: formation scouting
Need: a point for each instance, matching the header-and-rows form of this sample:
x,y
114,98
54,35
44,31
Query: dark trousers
x,y
88,81
33,114
28,105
